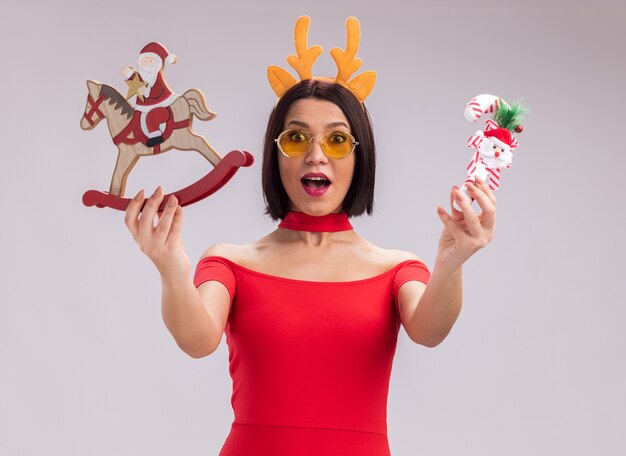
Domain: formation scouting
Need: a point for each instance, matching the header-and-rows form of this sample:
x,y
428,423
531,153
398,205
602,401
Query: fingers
x,y
132,213
470,232
485,188
149,210
452,225
161,243
455,212
489,210
165,221
177,225
472,223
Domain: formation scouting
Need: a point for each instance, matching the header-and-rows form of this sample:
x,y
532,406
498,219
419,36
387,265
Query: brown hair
x,y
360,196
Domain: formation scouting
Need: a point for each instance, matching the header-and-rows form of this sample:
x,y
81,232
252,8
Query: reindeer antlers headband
x,y
361,86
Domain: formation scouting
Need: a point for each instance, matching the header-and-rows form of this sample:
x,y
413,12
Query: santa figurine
x,y
154,96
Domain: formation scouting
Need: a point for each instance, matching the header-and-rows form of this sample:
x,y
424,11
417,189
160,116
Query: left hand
x,y
466,232
126,71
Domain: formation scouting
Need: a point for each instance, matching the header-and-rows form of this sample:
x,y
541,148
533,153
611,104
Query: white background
x,y
536,362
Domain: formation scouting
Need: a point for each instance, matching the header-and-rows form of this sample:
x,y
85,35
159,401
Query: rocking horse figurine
x,y
161,121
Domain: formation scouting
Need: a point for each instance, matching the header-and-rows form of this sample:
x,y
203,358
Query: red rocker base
x,y
209,184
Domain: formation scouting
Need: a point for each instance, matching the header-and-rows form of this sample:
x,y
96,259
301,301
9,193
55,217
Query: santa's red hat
x,y
158,52
500,136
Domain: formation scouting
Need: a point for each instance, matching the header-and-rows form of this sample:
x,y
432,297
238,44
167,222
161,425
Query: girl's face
x,y
316,184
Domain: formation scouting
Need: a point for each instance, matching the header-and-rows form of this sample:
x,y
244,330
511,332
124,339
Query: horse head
x,y
104,101
92,115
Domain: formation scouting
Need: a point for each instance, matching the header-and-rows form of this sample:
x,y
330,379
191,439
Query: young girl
x,y
311,311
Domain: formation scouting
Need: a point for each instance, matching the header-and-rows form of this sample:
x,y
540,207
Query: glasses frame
x,y
311,136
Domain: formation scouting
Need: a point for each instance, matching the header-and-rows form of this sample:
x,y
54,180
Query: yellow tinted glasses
x,y
335,144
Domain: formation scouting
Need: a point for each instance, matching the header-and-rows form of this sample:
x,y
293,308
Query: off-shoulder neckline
x,y
314,282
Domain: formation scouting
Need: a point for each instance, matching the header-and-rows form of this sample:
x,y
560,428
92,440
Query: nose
x,y
315,153
497,154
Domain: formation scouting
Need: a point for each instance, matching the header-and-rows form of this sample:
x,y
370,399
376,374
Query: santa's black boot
x,y
151,142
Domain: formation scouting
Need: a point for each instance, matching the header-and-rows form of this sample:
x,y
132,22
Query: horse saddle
x,y
163,116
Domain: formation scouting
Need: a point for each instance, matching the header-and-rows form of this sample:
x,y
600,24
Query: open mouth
x,y
315,183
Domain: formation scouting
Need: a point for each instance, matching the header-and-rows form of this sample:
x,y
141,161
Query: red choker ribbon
x,y
299,221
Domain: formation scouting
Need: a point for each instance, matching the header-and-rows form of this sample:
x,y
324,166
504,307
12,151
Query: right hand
x,y
161,243
127,69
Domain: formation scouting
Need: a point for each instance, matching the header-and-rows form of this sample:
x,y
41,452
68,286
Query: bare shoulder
x,y
390,257
398,256
243,254
232,252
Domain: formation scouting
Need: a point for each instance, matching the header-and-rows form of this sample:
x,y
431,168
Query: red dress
x,y
310,361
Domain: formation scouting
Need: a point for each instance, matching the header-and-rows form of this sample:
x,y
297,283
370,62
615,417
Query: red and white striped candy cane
x,y
475,140
478,166
482,104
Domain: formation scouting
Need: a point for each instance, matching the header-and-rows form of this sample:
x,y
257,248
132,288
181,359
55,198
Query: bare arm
x,y
194,317
429,312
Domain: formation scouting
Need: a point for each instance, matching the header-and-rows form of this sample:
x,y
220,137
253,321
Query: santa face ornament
x,y
495,153
160,120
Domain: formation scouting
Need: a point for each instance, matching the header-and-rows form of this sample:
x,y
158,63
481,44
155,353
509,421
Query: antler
x,y
279,78
303,62
347,64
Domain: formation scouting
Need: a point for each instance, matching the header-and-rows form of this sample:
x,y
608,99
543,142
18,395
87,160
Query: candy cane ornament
x,y
482,104
494,145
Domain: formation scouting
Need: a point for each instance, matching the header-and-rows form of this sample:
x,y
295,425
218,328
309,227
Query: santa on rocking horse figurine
x,y
160,121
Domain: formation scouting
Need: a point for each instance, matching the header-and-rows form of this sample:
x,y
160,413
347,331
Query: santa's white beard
x,y
488,156
149,75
